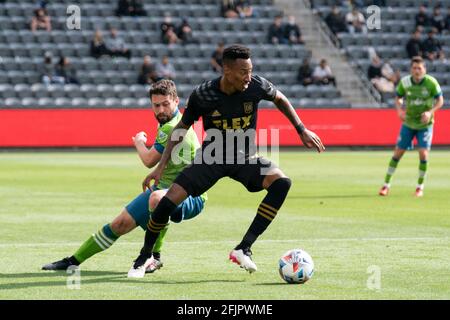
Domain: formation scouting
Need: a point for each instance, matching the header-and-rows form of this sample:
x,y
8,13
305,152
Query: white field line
x,y
133,243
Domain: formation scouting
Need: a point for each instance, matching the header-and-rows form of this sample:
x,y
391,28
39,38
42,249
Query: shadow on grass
x,y
336,196
100,277
272,284
47,274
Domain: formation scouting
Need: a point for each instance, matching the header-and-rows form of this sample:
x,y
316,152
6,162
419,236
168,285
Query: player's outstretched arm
x,y
309,138
175,137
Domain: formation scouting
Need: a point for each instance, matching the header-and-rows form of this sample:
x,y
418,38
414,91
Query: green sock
x,y
391,169
96,243
160,240
422,171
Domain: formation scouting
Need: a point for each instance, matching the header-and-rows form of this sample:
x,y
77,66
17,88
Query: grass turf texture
x,y
51,202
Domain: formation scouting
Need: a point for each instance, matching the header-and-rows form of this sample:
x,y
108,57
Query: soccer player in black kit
x,y
228,104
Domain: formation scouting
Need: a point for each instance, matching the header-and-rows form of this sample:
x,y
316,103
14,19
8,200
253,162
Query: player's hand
x,y
425,117
153,176
310,140
140,137
401,114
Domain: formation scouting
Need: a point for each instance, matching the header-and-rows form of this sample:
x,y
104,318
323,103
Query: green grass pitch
x,y
51,202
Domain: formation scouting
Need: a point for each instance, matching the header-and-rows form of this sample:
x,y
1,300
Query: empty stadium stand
x,y
112,82
397,24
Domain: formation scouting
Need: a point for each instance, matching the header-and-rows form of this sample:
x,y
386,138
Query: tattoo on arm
x,y
286,108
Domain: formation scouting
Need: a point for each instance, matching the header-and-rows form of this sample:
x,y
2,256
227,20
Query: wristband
x,y
300,128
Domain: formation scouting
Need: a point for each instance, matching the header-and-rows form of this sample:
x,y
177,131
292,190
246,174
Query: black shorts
x,y
197,178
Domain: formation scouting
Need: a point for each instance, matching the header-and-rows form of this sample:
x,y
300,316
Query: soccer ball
x,y
296,266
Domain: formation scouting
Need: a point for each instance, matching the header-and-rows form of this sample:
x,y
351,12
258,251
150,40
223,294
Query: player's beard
x,y
162,118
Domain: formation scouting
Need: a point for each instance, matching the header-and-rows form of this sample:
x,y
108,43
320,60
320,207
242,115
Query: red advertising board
x,y
115,127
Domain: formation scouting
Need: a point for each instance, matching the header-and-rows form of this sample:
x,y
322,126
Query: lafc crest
x,y
248,107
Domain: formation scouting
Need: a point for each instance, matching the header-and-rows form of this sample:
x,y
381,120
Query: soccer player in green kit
x,y
164,101
423,98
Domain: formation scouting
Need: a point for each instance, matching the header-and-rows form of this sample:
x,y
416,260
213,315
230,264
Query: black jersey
x,y
228,113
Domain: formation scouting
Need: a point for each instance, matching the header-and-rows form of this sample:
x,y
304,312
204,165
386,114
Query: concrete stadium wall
x,y
36,128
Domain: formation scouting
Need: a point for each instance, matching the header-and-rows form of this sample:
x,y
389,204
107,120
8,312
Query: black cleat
x,y
63,264
141,259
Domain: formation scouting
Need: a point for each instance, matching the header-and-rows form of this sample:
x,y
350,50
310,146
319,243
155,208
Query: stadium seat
x,y
129,103
115,78
7,91
96,102
79,102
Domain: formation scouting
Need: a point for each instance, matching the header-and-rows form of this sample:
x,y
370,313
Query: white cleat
x,y
139,272
136,273
244,260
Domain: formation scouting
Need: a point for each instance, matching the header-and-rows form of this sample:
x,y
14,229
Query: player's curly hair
x,y
234,52
165,88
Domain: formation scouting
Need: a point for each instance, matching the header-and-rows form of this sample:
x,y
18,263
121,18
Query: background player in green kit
x,y
165,101
423,98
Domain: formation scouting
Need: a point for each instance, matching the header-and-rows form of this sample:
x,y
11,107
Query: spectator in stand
x,y
375,75
147,74
168,35
388,72
414,45
184,33
165,69
374,71
166,24
356,21
65,70
41,4
336,21
422,18
116,45
322,74
216,58
130,8
245,9
47,71
229,9
41,20
432,47
437,19
292,31
98,46
276,32
305,71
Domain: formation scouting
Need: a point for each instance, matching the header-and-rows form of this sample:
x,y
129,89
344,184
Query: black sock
x,y
158,221
267,211
157,255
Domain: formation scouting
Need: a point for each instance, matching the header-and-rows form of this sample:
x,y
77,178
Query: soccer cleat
x,y
139,267
384,191
419,192
243,259
63,264
153,264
